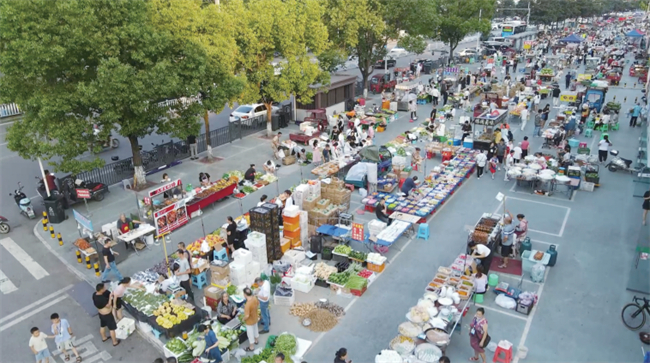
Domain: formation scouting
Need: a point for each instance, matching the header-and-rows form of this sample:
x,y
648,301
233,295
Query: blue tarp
x,y
634,34
572,39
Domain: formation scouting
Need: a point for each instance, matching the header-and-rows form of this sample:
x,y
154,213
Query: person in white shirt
x,y
289,199
481,161
480,252
435,94
510,161
524,118
182,271
269,167
264,295
38,345
603,148
262,201
517,153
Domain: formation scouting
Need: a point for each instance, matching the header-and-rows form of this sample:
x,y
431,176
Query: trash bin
x,y
275,122
54,208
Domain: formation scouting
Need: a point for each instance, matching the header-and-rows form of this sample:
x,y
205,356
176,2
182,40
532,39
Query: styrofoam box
x,y
238,280
243,256
304,219
302,287
284,300
125,327
293,257
253,267
237,267
291,211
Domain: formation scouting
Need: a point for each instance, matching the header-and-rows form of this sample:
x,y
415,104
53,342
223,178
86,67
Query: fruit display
x,y
143,301
217,186
214,241
170,314
546,72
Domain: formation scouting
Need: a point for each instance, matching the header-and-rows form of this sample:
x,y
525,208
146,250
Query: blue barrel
x,y
456,142
553,252
525,246
468,143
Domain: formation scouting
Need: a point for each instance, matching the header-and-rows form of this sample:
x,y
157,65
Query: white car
x,y
467,52
246,112
397,52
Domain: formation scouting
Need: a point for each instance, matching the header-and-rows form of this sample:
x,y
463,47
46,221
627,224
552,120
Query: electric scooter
x,y
4,225
618,163
111,143
24,203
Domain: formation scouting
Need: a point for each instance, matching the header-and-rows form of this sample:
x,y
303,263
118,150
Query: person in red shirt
x,y
49,179
524,147
124,224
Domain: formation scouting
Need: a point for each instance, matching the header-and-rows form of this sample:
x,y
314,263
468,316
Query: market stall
x,y
405,93
488,120
546,74
164,206
334,167
208,195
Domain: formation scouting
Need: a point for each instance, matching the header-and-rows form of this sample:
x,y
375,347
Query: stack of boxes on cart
x,y
324,201
243,270
292,231
266,220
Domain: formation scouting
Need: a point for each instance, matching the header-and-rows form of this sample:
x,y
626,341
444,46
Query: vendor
x,y
269,167
232,236
467,130
409,184
262,201
226,309
125,225
381,212
211,343
416,159
249,175
410,136
480,252
182,271
119,291
275,145
204,179
288,199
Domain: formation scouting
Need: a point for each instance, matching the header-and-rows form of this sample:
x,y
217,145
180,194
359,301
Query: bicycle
x,y
631,312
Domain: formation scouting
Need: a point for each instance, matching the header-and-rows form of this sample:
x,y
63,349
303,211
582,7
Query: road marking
x,y
6,286
33,312
24,258
524,335
35,304
557,245
76,342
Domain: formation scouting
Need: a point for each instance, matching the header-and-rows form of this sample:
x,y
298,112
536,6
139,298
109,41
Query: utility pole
x,y
478,39
528,16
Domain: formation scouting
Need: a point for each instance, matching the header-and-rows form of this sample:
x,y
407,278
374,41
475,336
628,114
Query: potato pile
x,y
301,309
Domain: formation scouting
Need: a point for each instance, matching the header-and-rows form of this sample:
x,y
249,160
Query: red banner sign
x,y
357,232
83,193
164,188
171,217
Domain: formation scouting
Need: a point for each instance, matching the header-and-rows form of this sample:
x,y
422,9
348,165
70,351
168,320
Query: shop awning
x,y
634,33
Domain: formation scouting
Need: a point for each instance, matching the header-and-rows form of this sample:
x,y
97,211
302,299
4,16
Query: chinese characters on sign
x,y
357,232
171,217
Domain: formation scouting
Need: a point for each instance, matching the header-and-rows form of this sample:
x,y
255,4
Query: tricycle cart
x,y
382,82
402,91
488,120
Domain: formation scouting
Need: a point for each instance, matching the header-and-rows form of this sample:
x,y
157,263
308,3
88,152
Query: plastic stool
x,y
478,298
350,186
582,145
506,351
589,132
615,127
222,255
200,280
156,333
423,231
493,280
590,124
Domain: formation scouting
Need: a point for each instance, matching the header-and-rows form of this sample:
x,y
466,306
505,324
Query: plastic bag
x,y
537,273
492,347
281,154
506,302
239,353
363,192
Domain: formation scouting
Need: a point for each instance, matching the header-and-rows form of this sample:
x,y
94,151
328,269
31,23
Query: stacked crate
x,y
304,227
266,219
243,270
256,243
291,218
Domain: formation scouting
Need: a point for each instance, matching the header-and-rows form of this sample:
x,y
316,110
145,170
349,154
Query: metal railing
x,y
169,152
9,109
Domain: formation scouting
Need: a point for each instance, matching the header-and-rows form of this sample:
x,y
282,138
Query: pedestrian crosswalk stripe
x,y
6,286
24,258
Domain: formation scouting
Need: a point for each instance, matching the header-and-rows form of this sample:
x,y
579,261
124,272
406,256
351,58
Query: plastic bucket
x,y
522,352
493,280
478,298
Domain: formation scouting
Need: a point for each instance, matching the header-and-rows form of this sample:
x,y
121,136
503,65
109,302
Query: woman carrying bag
x,y
478,335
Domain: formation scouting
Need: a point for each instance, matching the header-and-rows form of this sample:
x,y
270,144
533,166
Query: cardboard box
x,y
221,284
216,276
289,160
220,270
212,292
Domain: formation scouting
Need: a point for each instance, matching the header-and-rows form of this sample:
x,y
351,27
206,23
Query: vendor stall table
x,y
203,203
489,121
408,218
134,235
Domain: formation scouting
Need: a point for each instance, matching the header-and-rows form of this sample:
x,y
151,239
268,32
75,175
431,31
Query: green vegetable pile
x,y
342,250
191,338
614,106
546,72
231,290
143,301
358,255
286,343
354,268
265,355
247,190
356,283
401,152
340,278
176,346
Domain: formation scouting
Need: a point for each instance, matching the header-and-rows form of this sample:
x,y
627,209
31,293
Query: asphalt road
x,y
14,169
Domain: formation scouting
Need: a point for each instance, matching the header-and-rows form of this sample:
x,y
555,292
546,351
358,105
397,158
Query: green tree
x,y
70,64
460,18
505,8
208,26
292,28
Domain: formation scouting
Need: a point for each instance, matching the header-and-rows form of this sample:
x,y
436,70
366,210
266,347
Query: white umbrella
x,y
412,97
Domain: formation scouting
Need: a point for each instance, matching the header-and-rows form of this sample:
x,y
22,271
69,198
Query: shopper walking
x,y
494,162
342,356
413,108
38,345
194,147
478,335
646,205
182,270
63,337
103,300
524,147
556,96
481,161
492,150
435,95
518,152
603,148
264,296
251,318
507,239
501,150
524,118
509,163
636,111
109,262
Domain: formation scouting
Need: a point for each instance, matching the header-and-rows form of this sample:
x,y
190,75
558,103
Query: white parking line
x,y
6,286
24,258
31,313
502,312
529,321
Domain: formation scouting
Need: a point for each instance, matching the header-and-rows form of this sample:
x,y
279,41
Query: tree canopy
x,y
460,18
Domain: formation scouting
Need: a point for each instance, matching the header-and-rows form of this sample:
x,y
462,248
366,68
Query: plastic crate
x,y
168,353
526,263
358,292
376,268
284,300
302,287
291,226
292,234
339,258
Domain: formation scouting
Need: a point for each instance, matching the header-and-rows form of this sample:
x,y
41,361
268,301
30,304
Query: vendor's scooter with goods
x,y
619,163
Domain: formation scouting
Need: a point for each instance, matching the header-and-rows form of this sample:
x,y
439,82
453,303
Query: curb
x,y
147,336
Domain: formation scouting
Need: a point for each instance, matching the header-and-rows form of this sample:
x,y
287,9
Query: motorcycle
x,y
619,163
111,143
24,203
4,225
97,190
